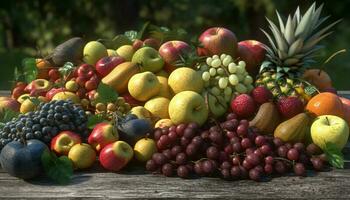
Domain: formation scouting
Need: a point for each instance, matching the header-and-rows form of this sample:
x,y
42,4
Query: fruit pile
x,y
224,108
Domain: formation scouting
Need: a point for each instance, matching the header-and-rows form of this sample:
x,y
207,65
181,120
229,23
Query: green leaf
x,y
66,69
30,70
7,115
35,101
58,169
143,30
106,93
334,155
310,90
17,74
132,35
93,120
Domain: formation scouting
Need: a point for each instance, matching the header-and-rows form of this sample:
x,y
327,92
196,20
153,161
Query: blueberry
x,y
58,116
43,121
29,136
6,129
58,109
29,124
46,130
38,134
50,116
51,112
63,127
36,127
13,130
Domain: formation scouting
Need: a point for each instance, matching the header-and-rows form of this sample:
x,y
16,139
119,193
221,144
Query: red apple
x,y
7,102
64,141
18,90
116,156
38,87
103,134
217,41
253,53
54,91
84,69
137,44
107,64
81,81
171,52
152,42
131,100
91,85
54,74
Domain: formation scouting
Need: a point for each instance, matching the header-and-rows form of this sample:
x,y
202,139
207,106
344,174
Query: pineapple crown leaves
x,y
295,41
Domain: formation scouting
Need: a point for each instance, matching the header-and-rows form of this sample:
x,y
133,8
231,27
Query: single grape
x,y
189,133
209,60
198,141
182,171
191,149
317,163
180,129
216,63
299,169
236,160
293,154
254,175
220,71
253,159
208,167
232,68
159,158
230,125
260,140
269,160
303,158
241,130
277,142
165,140
198,168
243,172
266,149
233,79
181,159
240,88
313,149
258,153
228,91
230,134
215,91
216,137
282,151
165,130
235,139
176,150
248,80
235,172
247,164
213,153
205,135
237,148
212,71
167,153
223,83
280,167
172,136
245,143
226,165
231,116
299,146
206,76
184,141
167,169
268,168
228,149
172,128
151,165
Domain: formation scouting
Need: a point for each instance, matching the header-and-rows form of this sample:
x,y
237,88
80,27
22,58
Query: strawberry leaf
x,y
30,70
59,169
106,93
334,155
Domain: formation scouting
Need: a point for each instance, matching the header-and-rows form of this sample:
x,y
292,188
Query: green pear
x,y
94,51
149,59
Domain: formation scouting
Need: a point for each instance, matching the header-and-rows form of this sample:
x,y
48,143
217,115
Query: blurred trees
x,y
35,27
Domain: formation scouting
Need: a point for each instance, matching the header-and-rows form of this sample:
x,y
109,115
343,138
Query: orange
x,y
325,103
43,68
318,78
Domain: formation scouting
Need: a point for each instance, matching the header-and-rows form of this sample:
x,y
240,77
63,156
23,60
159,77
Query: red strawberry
x,y
290,106
261,95
243,105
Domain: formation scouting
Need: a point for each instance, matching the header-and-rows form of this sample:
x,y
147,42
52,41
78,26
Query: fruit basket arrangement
x,y
221,108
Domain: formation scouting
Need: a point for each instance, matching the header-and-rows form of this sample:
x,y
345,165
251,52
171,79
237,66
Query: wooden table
x,y
135,183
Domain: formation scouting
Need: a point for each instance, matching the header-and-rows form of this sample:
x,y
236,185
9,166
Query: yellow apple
x,y
66,96
144,149
82,155
163,123
185,79
126,52
188,106
164,87
143,86
158,106
94,51
111,52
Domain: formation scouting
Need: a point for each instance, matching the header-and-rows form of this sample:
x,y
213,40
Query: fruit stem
x,y
283,159
327,121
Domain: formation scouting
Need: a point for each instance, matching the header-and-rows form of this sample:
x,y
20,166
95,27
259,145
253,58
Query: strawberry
x,y
290,106
243,105
261,95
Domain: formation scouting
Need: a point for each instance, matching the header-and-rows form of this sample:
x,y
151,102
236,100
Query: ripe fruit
x,y
158,106
185,79
82,155
116,156
102,135
325,103
261,95
126,52
253,53
94,51
144,149
243,105
149,59
66,96
290,106
171,52
64,141
143,86
318,78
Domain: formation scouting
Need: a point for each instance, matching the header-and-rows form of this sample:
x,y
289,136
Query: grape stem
x,y
283,159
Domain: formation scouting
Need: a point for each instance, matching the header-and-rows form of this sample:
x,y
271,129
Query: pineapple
x,y
292,49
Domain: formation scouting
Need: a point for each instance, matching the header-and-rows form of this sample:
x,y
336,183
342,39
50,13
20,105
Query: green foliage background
x,y
34,28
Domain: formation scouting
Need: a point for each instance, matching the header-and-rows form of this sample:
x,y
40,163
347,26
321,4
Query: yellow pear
x,y
185,79
164,87
143,86
158,106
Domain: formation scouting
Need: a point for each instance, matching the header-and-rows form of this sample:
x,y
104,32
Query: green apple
x,y
149,59
188,106
72,86
94,51
144,86
330,128
185,79
144,149
126,52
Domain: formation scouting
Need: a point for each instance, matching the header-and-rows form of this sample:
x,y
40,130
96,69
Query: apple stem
x,y
327,121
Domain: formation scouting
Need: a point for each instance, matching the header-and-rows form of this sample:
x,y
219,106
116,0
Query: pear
x,y
295,129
